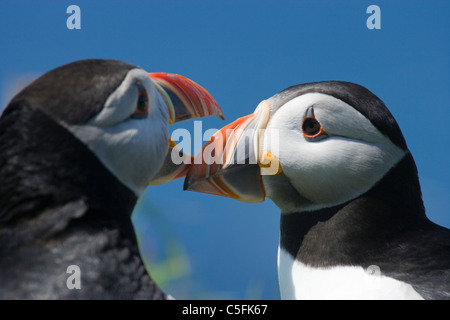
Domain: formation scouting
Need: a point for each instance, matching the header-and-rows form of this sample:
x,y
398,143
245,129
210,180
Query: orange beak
x,y
232,163
185,100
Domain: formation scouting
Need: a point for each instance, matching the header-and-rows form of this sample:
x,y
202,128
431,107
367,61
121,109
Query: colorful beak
x,y
232,163
185,100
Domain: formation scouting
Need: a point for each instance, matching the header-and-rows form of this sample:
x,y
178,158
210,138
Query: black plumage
x,y
59,205
75,92
350,197
387,226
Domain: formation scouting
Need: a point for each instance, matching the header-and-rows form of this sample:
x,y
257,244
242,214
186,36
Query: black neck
x,y
355,231
60,206
35,176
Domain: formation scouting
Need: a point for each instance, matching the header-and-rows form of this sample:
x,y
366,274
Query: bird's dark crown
x,y
75,92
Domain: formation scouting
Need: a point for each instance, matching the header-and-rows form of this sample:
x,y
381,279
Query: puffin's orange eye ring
x,y
142,103
311,127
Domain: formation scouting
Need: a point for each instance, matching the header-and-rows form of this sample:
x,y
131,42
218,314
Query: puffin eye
x,y
141,110
311,127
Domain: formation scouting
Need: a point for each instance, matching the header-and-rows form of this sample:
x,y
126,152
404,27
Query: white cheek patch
x,y
340,167
340,119
132,149
122,102
337,169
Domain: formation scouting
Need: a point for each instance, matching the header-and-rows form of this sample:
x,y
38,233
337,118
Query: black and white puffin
x,y
332,157
78,147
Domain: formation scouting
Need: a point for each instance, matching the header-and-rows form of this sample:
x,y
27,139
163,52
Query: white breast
x,y
301,282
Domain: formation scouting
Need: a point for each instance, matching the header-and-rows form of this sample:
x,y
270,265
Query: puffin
x,y
78,148
332,157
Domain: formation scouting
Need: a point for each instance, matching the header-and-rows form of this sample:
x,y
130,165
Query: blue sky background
x,y
201,246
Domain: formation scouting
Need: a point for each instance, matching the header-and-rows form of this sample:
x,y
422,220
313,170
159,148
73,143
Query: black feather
x,y
75,92
59,206
386,226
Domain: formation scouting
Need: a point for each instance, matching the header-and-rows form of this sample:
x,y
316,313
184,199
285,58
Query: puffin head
x,y
121,113
310,146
